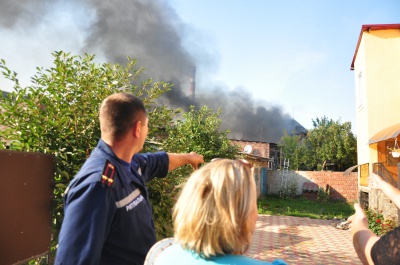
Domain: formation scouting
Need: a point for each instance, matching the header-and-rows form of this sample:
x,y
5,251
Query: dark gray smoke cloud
x,y
27,11
152,32
147,30
246,119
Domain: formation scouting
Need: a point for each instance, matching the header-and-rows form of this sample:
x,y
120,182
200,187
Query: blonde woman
x,y
214,218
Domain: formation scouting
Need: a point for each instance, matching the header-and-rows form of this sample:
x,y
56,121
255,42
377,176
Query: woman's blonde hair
x,y
212,214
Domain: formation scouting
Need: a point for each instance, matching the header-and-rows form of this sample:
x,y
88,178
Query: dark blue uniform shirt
x,y
110,224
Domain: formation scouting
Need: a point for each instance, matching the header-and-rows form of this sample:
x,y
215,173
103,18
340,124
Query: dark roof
x,y
295,128
291,126
4,93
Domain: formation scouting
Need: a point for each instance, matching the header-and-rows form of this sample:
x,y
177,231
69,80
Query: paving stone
x,y
299,240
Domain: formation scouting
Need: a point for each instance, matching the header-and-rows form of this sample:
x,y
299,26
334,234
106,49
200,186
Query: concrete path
x,y
299,240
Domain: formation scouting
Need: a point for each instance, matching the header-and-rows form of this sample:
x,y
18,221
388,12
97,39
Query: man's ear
x,y
136,129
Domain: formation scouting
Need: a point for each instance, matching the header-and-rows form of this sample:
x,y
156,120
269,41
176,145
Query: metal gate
x,y
27,188
263,180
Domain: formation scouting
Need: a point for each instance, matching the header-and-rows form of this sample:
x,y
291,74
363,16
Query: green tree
x,y
294,149
328,141
331,141
58,113
197,131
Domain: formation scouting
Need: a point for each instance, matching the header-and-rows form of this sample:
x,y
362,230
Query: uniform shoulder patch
x,y
108,174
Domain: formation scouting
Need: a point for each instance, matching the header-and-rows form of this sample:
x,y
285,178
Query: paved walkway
x,y
299,240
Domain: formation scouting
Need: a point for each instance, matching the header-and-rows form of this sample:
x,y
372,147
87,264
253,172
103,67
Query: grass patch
x,y
301,207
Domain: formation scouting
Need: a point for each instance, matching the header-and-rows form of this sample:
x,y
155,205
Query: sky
x,y
261,61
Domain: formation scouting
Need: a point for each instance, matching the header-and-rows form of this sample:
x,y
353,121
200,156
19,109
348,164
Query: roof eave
x,y
369,27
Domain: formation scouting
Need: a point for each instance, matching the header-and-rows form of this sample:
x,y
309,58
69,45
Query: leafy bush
x,y
197,131
289,191
324,195
378,224
58,113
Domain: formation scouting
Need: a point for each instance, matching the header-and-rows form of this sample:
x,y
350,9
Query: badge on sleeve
x,y
108,175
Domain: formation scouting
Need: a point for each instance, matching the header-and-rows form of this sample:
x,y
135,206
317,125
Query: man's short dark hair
x,y
118,113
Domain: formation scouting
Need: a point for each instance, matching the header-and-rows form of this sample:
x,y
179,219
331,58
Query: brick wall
x,y
258,148
342,187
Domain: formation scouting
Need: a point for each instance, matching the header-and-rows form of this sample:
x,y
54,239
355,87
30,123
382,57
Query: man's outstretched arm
x,y
178,160
377,183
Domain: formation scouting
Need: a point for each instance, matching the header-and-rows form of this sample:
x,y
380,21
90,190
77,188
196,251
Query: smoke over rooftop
x,y
152,32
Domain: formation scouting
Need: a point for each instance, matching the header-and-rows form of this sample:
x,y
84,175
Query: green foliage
x,y
58,113
301,207
324,195
332,141
197,131
329,141
289,191
378,224
294,149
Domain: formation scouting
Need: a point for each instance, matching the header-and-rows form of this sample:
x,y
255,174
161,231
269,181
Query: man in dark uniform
x,y
107,213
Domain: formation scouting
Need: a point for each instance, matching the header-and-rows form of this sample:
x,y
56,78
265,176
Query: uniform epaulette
x,y
108,174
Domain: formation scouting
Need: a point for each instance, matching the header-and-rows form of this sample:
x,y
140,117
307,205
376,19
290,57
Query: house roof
x,y
4,93
368,28
293,127
273,135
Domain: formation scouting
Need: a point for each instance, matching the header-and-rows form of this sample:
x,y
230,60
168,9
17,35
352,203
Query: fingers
x,y
196,160
358,216
358,210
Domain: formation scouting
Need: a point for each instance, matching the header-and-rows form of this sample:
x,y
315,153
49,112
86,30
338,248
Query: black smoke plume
x,y
152,32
